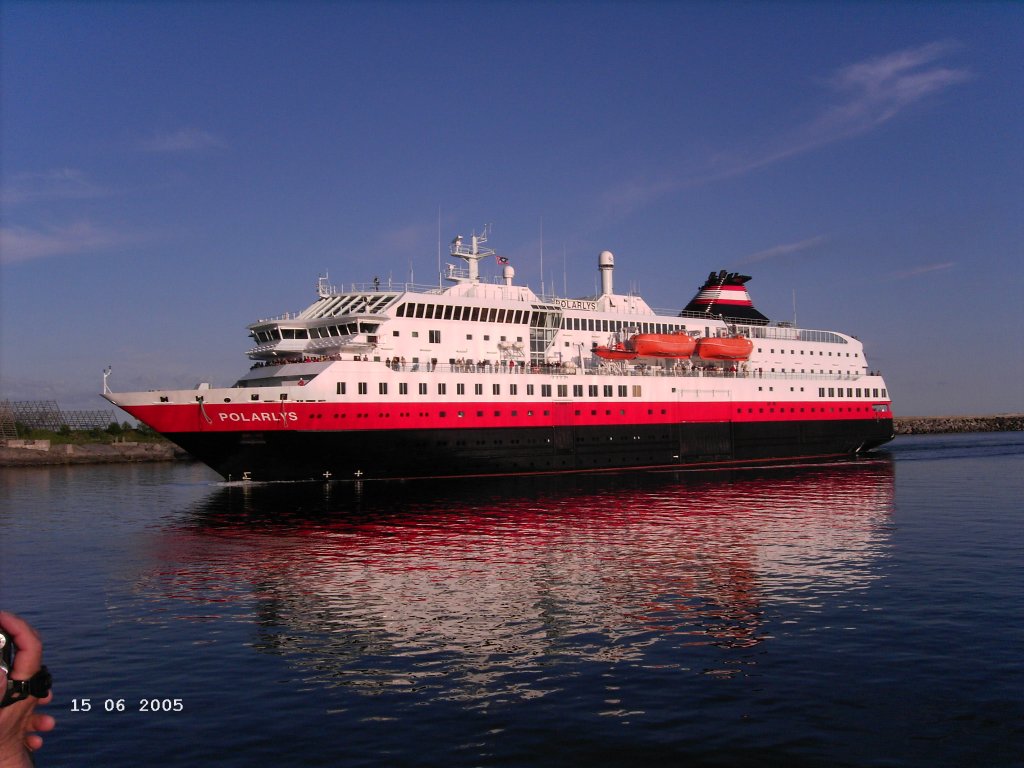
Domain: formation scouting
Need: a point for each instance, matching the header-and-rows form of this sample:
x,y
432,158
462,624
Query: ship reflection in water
x,y
499,590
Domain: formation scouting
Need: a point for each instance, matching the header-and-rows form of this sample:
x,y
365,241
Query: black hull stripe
x,y
451,453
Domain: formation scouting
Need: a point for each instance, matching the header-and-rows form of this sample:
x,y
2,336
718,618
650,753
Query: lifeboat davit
x,y
725,348
615,352
663,344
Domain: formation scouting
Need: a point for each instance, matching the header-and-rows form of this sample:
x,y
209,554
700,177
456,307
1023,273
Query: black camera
x,y
6,652
16,690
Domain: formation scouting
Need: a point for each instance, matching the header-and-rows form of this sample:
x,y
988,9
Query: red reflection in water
x,y
501,576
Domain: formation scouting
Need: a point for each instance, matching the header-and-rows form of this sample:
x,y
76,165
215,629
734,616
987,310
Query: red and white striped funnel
x,y
724,294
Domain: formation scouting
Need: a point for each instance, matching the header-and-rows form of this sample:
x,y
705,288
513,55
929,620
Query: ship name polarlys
x,y
577,304
252,417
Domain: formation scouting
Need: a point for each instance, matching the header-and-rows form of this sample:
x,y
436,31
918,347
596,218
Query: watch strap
x,y
38,685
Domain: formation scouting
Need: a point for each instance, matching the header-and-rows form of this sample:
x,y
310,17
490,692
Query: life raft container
x,y
615,352
725,348
679,345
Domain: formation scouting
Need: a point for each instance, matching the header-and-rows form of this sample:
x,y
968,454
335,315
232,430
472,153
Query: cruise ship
x,y
484,377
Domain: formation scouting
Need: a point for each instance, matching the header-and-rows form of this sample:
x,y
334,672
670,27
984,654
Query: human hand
x,y
20,725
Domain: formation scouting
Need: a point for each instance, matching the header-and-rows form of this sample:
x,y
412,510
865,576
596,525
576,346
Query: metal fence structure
x,y
8,431
47,414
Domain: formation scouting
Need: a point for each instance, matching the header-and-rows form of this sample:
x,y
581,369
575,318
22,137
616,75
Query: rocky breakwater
x,y
35,453
924,425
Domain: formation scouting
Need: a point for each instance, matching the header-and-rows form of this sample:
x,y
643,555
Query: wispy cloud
x,y
19,244
408,238
783,250
634,194
861,98
55,184
866,96
875,91
916,271
182,140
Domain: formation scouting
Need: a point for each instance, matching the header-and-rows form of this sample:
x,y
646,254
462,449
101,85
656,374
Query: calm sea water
x,y
862,614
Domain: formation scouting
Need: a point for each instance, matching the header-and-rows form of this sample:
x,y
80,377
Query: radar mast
x,y
471,254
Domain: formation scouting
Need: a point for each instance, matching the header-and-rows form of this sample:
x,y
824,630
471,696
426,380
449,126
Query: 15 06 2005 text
x,y
124,705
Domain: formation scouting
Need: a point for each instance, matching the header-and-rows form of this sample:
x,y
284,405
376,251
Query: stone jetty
x,y
924,425
36,453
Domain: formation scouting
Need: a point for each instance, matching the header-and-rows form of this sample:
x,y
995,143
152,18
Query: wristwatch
x,y
38,685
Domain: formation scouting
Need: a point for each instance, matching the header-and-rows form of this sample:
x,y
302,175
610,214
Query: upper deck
x,y
498,322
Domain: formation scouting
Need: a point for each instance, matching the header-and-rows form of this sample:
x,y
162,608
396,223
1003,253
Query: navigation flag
x,y
501,259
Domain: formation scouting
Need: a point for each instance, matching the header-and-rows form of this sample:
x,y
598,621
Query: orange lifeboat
x,y
663,344
615,352
725,348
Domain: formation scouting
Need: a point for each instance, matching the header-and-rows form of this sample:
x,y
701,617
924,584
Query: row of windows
x,y
319,332
562,390
462,414
494,315
593,324
593,390
850,392
459,312
434,337
608,412
833,409
786,332
599,325
820,354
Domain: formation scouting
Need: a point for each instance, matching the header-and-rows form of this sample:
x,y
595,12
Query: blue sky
x,y
172,171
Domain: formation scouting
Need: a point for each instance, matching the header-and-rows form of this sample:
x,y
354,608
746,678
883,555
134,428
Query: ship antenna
x,y
565,282
542,258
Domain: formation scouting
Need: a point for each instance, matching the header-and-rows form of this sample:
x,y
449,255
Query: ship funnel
x,y
606,264
725,293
